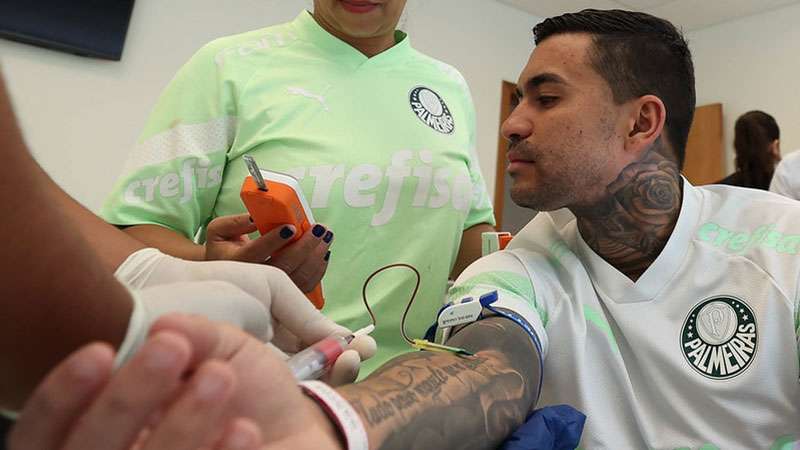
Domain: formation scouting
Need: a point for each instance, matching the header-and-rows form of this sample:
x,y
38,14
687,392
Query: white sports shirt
x,y
786,179
700,353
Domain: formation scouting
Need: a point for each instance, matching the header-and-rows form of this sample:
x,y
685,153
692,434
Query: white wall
x,y
81,116
752,63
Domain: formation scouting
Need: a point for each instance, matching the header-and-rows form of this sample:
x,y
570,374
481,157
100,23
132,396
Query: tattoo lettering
x,y
427,400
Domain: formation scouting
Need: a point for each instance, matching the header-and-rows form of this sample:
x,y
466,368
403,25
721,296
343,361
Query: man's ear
x,y
647,117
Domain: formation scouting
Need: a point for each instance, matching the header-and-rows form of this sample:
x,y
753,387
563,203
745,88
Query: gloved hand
x,y
287,318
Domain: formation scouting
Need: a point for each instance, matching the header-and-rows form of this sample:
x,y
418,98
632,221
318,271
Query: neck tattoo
x,y
631,225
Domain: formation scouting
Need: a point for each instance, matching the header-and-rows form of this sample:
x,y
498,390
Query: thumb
x,y
345,369
228,227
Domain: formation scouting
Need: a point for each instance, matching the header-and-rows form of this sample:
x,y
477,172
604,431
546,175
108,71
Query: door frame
x,y
507,92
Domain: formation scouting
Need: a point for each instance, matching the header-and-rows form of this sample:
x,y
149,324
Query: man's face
x,y
566,133
360,18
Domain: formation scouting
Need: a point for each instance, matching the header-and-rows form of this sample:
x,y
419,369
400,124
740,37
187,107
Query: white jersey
x,y
699,353
786,179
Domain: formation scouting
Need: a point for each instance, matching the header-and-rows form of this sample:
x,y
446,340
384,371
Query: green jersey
x,y
383,148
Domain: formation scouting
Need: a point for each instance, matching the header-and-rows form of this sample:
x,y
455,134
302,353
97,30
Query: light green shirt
x,y
384,149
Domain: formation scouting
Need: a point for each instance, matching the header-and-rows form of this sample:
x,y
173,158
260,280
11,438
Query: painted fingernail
x,y
328,237
286,232
328,255
318,230
251,219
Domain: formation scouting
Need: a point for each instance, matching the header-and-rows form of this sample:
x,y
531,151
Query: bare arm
x,y
58,294
168,241
426,400
470,248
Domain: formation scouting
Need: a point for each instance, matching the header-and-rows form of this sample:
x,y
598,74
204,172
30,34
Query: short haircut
x,y
637,54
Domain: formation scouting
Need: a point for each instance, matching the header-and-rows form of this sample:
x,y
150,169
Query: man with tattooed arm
x,y
667,313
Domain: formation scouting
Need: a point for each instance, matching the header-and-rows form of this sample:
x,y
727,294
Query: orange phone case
x,y
278,206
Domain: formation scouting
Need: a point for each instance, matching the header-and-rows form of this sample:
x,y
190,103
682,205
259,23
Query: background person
x,y
381,137
758,150
59,288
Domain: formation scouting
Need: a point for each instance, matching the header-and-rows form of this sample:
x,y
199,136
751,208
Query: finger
x,y
62,398
206,337
310,271
129,399
295,254
345,369
365,346
242,434
259,249
285,340
228,227
295,313
197,417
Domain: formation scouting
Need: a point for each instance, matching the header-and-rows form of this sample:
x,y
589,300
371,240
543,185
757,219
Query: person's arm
x,y
425,400
168,241
421,400
48,270
470,249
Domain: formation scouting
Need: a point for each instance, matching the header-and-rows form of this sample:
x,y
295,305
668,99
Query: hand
x,y
284,310
80,405
304,260
267,393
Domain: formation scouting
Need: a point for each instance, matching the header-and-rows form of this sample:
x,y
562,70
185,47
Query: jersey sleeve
x,y
173,175
505,273
782,182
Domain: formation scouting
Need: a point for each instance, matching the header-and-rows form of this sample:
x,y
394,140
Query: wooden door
x,y
705,156
507,214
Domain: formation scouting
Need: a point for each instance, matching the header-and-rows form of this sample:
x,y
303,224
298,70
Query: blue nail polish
x,y
328,237
317,230
328,255
286,232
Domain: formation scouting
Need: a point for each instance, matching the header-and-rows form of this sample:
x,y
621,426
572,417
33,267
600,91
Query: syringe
x,y
314,361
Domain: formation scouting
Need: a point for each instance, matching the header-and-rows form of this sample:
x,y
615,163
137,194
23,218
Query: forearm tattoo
x,y
427,400
631,226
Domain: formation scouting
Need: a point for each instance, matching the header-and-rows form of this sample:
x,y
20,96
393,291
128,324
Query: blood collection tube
x,y
315,360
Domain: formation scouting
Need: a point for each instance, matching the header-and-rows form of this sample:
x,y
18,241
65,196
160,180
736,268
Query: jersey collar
x,y
621,289
309,30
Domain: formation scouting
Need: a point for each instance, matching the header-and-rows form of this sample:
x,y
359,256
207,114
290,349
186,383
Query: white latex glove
x,y
288,319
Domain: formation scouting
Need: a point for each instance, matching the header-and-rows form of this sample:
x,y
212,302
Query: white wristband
x,y
340,411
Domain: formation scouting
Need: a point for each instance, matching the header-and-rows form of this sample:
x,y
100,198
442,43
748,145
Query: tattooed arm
x,y
426,400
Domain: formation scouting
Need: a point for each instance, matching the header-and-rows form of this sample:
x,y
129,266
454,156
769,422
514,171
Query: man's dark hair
x,y
637,54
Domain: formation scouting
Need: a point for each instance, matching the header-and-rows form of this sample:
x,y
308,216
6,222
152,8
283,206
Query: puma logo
x,y
305,93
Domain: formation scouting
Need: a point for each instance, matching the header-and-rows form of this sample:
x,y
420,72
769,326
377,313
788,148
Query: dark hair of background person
x,y
637,54
755,133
